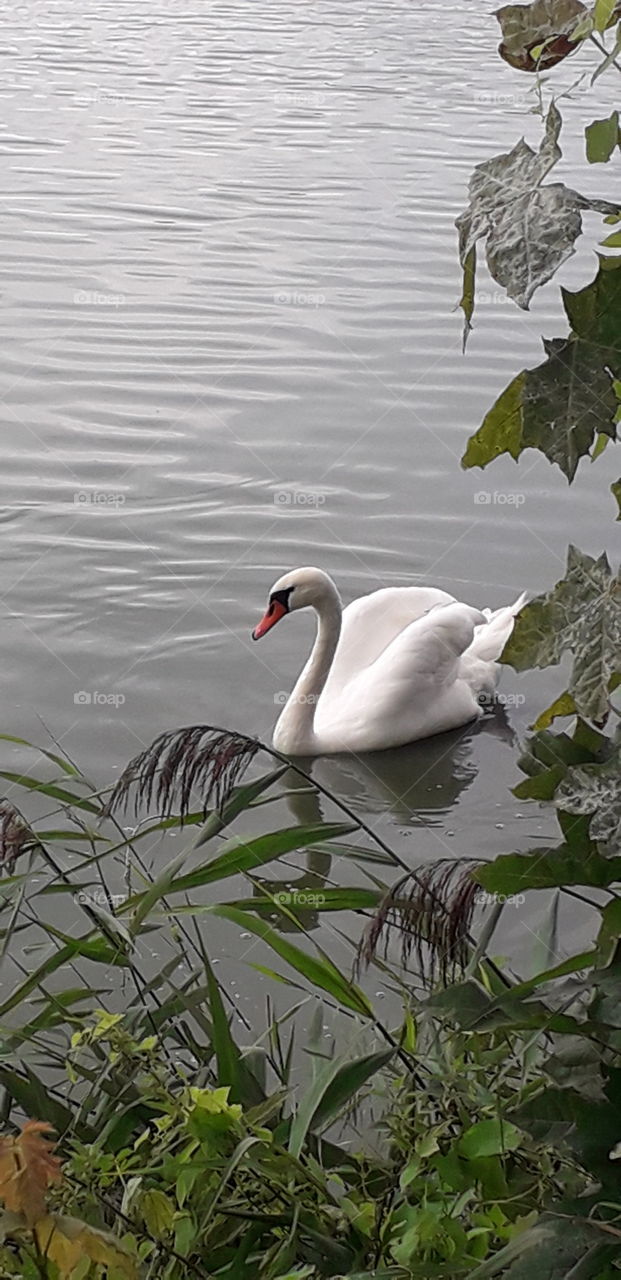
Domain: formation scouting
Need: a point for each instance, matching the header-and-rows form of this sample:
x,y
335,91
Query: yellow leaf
x,y
66,1241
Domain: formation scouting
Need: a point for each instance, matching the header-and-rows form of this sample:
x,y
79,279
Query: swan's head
x,y
299,589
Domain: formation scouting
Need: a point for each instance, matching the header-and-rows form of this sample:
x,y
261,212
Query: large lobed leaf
x,y
530,229
581,615
565,406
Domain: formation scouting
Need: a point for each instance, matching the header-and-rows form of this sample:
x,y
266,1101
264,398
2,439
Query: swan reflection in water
x,y
418,785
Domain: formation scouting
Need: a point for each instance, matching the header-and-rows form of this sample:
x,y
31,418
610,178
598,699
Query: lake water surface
x,y
230,347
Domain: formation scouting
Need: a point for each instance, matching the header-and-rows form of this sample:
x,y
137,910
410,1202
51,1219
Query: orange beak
x,y
275,612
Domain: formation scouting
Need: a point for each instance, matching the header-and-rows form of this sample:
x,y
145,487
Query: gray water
x,y
230,347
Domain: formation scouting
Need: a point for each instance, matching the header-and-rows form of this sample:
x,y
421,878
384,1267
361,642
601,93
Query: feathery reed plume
x,y
431,907
15,835
198,763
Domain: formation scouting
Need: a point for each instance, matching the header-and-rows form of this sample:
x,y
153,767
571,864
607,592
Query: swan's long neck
x,y
294,730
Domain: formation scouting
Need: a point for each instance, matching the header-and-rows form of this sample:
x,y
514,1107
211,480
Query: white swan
x,y
399,664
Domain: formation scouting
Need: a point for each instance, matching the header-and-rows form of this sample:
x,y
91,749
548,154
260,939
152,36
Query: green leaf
x,y
322,973
549,1250
297,901
335,1085
565,405
602,136
239,800
50,789
595,789
562,706
89,947
582,615
254,852
560,407
231,1069
493,1137
516,873
603,13
35,1099
615,489
157,890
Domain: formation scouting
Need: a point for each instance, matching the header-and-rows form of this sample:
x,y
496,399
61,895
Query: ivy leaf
x,y
530,229
595,789
602,136
566,406
581,615
537,36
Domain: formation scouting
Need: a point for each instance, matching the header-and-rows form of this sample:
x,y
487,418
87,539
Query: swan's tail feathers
x,y
491,637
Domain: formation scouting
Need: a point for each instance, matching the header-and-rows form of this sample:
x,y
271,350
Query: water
x,y
230,347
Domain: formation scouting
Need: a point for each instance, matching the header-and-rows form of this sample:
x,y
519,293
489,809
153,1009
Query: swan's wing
x,y
428,652
413,689
372,622
491,637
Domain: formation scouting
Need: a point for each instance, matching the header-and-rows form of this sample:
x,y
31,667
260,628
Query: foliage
x,y
479,1134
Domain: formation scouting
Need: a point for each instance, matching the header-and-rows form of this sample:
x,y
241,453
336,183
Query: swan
x,y
399,664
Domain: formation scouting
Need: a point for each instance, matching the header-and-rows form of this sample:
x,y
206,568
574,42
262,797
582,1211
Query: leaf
x,y
562,706
537,36
604,13
547,1251
239,800
90,948
27,1167
322,973
560,407
491,1137
602,136
595,789
65,1241
232,1070
615,489
50,789
237,857
158,1211
33,1098
517,873
334,1086
529,228
568,405
582,614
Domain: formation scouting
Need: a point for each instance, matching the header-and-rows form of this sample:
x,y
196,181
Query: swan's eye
x,y
281,598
